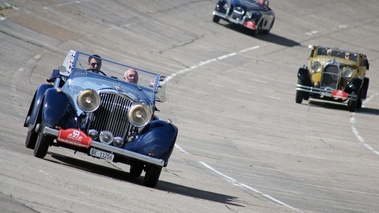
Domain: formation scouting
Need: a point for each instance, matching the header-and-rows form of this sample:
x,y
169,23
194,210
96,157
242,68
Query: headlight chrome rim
x,y
139,115
347,72
88,100
316,66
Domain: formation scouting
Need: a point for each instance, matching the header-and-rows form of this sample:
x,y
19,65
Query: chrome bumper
x,y
112,149
322,92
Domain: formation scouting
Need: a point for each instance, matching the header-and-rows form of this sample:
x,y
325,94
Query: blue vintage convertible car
x,y
102,116
252,14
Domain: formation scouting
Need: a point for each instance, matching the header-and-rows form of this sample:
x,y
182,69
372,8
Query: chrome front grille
x,y
330,77
238,13
112,115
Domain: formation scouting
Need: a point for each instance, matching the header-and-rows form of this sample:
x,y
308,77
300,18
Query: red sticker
x,y
340,94
74,137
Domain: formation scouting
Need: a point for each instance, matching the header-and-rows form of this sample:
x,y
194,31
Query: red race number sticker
x,y
340,94
74,137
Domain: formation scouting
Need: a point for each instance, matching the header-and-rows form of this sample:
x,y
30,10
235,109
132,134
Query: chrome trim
x,y
325,92
229,18
109,148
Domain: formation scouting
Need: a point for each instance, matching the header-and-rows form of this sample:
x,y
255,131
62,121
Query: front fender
x,y
354,85
35,106
303,73
156,140
57,110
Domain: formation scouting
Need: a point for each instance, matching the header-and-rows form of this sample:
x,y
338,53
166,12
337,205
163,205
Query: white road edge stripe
x,y
233,181
236,183
219,58
356,133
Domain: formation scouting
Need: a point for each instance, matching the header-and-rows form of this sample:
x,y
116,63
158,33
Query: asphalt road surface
x,y
244,145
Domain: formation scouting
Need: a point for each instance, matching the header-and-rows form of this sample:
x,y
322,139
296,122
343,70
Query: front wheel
x,y
258,30
31,138
299,96
359,101
135,170
152,176
43,142
352,105
268,31
216,19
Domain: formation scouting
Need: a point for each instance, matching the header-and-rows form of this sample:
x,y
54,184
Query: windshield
x,y
144,80
344,54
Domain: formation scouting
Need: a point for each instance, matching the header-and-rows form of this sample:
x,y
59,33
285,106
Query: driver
x,y
94,63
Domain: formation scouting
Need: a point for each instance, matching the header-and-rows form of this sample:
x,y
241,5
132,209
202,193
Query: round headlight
x,y
347,72
139,115
316,66
88,100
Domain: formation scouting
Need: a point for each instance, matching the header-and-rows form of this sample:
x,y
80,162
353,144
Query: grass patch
x,y
5,8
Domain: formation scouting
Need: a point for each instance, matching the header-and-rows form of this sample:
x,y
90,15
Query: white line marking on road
x,y
244,91
233,181
45,173
311,33
219,58
236,183
216,85
259,81
356,133
181,149
273,97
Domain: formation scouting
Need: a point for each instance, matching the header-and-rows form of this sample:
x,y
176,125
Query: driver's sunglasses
x,y
93,64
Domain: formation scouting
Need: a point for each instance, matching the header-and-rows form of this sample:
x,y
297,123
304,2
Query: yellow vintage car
x,y
334,75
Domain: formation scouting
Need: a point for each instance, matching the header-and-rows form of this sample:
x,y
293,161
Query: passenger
x,y
329,52
94,63
347,56
131,75
263,3
365,62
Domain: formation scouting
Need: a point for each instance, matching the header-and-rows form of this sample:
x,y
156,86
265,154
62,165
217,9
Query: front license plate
x,y
101,154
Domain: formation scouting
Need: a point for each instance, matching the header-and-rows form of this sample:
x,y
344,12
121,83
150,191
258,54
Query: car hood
x,y
248,5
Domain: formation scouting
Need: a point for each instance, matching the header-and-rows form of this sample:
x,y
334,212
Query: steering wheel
x,y
97,71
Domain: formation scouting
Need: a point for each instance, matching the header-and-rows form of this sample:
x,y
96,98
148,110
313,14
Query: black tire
x,y
359,101
43,143
216,19
364,89
300,94
152,176
306,96
352,105
31,136
31,139
135,170
268,31
258,30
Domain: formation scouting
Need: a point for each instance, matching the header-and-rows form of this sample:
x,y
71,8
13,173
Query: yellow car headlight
x,y
88,100
139,115
316,66
347,72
